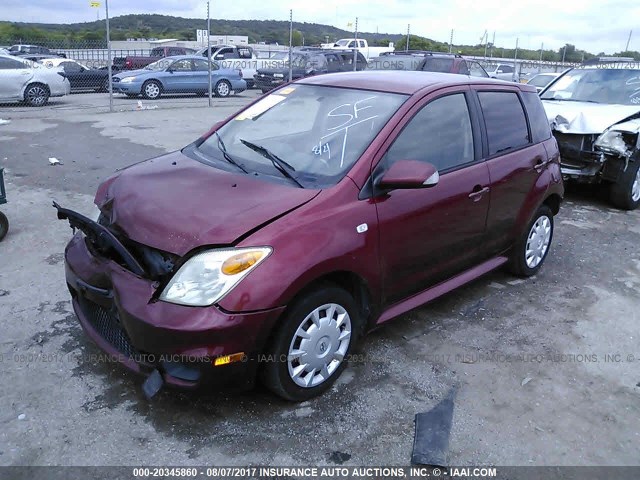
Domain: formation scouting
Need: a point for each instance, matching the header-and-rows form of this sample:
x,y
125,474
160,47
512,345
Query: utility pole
x,y
109,61
291,43
564,50
540,62
486,42
408,30
451,41
626,49
493,42
516,73
355,50
209,47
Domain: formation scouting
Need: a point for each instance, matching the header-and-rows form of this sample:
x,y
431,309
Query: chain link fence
x,y
75,75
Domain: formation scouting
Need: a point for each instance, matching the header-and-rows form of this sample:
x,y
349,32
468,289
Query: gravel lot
x,y
547,368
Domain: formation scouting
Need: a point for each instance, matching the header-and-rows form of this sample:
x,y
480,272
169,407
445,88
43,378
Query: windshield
x,y
599,85
319,131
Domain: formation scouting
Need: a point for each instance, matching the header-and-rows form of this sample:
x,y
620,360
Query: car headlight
x,y
127,79
614,141
278,75
208,276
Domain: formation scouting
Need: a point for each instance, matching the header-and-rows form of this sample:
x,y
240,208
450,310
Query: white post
x,y
451,42
109,61
209,48
355,50
408,29
290,43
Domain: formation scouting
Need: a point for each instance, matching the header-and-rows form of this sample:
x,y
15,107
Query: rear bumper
x,y
117,311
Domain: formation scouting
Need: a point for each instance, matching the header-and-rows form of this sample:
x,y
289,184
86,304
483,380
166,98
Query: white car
x,y
26,81
541,80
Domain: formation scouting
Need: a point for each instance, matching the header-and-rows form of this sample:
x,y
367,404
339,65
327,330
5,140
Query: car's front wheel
x,y
4,225
625,193
151,90
532,248
36,95
311,347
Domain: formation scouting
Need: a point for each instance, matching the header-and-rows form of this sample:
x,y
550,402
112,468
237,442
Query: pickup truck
x,y
243,58
135,62
360,44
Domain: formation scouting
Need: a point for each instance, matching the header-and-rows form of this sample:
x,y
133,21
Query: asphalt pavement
x,y
547,368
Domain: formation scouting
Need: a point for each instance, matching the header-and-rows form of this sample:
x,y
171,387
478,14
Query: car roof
x,y
402,81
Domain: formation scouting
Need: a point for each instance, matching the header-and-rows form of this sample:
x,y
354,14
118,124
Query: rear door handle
x,y
541,164
478,192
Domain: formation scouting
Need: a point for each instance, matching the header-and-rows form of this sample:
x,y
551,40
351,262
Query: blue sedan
x,y
179,74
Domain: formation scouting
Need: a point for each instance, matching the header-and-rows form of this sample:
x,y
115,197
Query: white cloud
x,y
592,25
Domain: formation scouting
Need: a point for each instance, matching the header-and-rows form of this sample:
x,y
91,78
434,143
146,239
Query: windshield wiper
x,y
226,156
282,166
570,100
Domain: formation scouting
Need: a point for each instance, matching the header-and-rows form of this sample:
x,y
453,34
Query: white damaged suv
x,y
594,112
22,80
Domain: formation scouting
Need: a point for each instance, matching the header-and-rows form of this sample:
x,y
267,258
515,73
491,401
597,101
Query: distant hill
x,y
91,35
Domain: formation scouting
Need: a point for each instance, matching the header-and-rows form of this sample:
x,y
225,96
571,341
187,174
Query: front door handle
x,y
478,192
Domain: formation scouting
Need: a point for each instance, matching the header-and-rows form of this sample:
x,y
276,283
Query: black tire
x,y
518,264
265,90
4,225
622,192
275,372
104,87
151,89
222,89
36,95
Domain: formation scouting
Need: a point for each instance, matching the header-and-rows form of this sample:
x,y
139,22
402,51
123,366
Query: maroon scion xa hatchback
x,y
271,244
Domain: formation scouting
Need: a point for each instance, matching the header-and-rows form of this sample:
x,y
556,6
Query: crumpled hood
x,y
175,204
584,117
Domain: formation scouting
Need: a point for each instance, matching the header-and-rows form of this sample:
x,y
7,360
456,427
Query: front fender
x,y
315,240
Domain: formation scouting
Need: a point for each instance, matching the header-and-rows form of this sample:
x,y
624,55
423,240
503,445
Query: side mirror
x,y
409,174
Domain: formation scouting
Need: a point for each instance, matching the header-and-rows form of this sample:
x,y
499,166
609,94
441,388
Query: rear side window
x,y
540,130
11,64
443,65
505,121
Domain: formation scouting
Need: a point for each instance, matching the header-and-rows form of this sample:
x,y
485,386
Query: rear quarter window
x,y
540,130
442,65
505,121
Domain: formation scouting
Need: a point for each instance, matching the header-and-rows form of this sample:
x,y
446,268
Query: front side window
x,y
319,131
181,66
439,134
505,121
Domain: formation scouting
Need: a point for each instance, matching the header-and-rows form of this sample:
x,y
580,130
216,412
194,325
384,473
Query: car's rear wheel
x,y
151,90
311,347
265,90
36,95
4,225
625,193
222,89
531,250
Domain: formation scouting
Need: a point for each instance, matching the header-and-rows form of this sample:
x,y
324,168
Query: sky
x,y
592,25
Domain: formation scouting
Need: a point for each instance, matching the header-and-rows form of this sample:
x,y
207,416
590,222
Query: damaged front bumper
x,y
592,158
117,308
